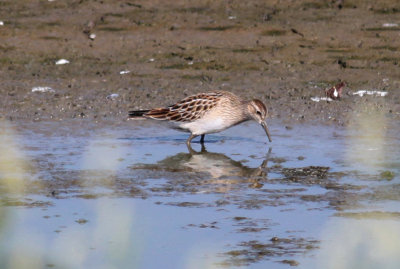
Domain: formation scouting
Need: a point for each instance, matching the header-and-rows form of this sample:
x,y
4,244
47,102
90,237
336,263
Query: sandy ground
x,y
282,52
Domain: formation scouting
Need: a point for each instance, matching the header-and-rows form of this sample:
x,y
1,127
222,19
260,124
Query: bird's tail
x,y
136,114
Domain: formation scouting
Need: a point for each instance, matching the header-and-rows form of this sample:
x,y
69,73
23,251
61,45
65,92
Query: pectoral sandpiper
x,y
207,113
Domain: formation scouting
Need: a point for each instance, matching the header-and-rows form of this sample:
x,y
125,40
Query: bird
x,y
336,91
207,113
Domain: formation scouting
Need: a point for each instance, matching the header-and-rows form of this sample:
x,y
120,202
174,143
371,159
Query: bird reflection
x,y
220,166
211,168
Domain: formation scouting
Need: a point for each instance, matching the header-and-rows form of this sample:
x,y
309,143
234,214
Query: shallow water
x,y
79,195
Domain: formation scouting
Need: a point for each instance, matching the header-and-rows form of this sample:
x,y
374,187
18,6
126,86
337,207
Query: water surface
x,y
80,195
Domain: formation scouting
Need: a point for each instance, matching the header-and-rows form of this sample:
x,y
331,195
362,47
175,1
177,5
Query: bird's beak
x,y
264,125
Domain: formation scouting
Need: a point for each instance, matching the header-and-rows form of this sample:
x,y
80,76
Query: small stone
x,y
81,221
113,96
62,61
291,262
42,89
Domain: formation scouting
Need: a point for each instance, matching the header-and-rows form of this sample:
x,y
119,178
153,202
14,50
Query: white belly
x,y
204,126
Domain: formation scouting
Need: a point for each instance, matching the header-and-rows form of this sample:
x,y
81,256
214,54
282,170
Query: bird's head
x,y
259,112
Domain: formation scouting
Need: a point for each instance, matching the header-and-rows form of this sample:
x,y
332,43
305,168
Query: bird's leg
x,y
193,152
202,138
190,139
203,148
190,149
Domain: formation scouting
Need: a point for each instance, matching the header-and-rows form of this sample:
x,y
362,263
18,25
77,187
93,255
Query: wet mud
x,y
149,54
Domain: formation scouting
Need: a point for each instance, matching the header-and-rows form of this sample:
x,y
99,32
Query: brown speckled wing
x,y
189,109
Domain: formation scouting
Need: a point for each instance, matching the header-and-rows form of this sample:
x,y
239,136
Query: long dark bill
x,y
264,125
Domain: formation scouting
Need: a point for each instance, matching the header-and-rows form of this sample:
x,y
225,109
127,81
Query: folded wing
x,y
189,109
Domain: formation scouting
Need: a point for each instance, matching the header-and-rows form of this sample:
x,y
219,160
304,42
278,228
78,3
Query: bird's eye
x,y
258,113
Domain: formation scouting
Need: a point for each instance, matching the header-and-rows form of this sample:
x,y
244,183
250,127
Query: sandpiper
x,y
207,113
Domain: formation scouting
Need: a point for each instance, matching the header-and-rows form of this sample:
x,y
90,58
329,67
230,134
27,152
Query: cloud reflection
x,y
367,137
364,244
13,165
103,240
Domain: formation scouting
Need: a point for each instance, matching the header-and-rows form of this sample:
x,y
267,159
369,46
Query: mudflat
x,y
139,54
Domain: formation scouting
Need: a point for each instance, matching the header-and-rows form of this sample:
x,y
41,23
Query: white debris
x,y
124,72
1,23
51,0
62,61
363,92
335,93
232,17
92,36
113,96
190,63
42,89
390,25
317,99
151,60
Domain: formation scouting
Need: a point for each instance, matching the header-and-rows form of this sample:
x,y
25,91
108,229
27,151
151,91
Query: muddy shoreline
x,y
282,52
